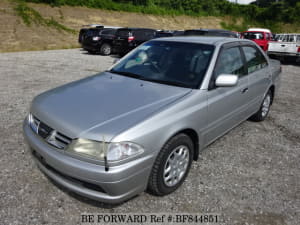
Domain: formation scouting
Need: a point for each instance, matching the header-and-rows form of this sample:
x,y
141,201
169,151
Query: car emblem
x,y
51,139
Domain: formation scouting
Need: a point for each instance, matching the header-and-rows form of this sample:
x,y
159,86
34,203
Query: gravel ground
x,y
250,176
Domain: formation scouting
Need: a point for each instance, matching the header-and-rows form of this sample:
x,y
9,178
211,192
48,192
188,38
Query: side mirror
x,y
226,80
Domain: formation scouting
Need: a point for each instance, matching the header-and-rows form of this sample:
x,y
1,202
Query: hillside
x,y
15,35
31,26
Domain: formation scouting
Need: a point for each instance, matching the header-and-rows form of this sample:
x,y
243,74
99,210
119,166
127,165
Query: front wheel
x,y
171,166
264,109
105,49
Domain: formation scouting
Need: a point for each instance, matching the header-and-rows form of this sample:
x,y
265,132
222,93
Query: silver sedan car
x,y
139,125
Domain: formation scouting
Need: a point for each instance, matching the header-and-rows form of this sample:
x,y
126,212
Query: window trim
x,y
246,63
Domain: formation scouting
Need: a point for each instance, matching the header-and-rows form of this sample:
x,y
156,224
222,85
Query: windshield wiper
x,y
128,74
137,76
167,82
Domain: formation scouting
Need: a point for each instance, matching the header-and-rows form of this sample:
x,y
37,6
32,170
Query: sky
x,y
242,1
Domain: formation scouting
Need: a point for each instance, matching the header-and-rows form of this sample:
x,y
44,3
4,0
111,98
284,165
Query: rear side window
x,y
143,34
93,32
109,31
123,33
194,32
230,62
255,59
254,35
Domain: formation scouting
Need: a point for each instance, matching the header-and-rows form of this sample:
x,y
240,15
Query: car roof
x,y
213,30
135,28
210,40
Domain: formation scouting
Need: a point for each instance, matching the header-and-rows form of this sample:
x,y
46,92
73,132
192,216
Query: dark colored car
x,y
82,32
99,41
168,33
128,38
210,32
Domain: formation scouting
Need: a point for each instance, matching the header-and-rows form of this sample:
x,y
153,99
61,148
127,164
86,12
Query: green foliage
x,y
29,16
265,13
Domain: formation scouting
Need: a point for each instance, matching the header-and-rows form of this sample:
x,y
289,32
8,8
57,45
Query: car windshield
x,y
167,62
254,35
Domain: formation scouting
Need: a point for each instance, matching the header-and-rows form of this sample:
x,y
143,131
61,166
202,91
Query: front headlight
x,y
97,150
123,150
88,148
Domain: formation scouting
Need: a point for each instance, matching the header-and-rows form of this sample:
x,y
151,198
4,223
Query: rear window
x,y
163,34
254,35
93,32
194,32
143,34
123,33
108,31
287,37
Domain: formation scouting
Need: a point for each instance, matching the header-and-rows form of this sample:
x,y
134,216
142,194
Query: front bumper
x,y
284,54
90,180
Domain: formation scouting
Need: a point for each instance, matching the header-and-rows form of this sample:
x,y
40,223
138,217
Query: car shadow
x,y
291,62
288,61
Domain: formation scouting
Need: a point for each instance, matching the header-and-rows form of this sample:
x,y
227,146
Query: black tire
x,y
105,49
157,184
261,114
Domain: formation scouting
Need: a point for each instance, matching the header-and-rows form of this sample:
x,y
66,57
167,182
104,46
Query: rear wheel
x,y
105,49
264,109
171,166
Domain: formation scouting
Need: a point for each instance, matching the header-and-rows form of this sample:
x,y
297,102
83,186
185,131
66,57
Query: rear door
x,y
108,34
227,106
142,35
122,36
259,76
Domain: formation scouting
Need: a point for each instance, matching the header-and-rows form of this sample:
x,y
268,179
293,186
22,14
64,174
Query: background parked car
x,y
210,32
99,41
128,38
260,36
286,46
168,33
85,28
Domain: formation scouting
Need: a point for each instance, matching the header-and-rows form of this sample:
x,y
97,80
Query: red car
x,y
259,36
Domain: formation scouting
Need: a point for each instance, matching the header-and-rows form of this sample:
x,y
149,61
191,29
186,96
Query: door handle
x,y
244,90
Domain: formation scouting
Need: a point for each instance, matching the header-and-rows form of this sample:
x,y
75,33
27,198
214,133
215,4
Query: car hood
x,y
103,105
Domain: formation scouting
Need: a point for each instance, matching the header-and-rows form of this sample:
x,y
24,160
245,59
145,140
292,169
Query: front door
x,y
227,105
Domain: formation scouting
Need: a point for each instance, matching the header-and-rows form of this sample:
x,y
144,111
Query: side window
x,y
255,59
284,38
230,62
110,31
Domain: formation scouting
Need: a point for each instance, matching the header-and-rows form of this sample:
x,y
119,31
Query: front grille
x,y
43,130
50,135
